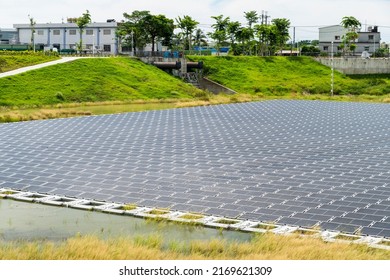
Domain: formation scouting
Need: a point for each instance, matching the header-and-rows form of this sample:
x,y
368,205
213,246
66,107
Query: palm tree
x,y
82,22
251,17
220,30
245,35
281,26
187,25
352,25
200,39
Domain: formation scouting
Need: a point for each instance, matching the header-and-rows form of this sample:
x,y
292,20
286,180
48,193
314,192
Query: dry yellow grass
x,y
265,247
219,99
41,114
114,107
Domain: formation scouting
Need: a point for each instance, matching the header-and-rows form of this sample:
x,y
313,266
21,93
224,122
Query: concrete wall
x,y
214,87
354,66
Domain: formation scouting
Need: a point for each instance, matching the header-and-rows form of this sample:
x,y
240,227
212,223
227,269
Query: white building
x,y
8,36
368,41
98,36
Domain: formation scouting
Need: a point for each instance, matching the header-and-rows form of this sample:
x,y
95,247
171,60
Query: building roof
x,y
336,25
65,25
8,30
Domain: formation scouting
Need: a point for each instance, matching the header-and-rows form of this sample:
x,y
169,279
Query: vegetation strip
x,y
10,60
118,85
188,218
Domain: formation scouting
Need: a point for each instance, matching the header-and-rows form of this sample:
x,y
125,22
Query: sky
x,y
306,15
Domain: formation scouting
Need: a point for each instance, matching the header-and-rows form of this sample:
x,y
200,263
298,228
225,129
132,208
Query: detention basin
x,y
32,222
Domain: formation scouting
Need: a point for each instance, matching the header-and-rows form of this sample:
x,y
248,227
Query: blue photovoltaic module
x,y
299,163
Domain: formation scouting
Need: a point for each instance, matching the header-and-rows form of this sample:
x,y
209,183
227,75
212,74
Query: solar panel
x,y
298,163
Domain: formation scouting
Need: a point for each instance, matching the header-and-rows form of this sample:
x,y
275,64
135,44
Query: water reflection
x,y
30,221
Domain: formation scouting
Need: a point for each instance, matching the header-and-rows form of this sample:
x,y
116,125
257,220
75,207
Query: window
x,y
40,32
56,32
107,48
89,32
107,32
89,46
370,37
326,48
72,32
366,49
337,37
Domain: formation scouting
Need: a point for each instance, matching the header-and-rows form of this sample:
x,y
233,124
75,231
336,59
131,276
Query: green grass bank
x,y
92,80
117,85
10,60
286,76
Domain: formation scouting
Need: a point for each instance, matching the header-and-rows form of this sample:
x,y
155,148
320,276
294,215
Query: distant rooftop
x,y
65,24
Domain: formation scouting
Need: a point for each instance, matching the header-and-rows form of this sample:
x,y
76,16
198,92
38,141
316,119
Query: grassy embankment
x,y
268,246
90,86
116,85
292,77
14,60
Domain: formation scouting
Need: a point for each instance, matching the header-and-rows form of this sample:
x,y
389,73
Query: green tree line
x,y
253,38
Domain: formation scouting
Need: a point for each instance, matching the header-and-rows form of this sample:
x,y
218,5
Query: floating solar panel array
x,y
295,163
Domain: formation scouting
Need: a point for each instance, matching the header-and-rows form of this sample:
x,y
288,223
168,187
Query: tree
x,y
158,27
200,39
132,30
187,25
245,35
220,30
267,37
310,50
251,18
233,30
82,22
141,28
353,26
281,26
32,26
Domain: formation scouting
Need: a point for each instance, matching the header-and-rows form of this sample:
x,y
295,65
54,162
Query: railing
x,y
165,54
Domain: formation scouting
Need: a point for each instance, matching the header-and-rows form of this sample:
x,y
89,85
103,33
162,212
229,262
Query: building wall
x,y
333,33
8,36
367,41
65,36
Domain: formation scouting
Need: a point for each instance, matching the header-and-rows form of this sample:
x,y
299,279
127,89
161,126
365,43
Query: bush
x,y
3,63
28,53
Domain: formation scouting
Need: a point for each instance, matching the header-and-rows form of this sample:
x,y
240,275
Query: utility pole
x,y
33,40
93,44
332,72
293,41
264,17
132,43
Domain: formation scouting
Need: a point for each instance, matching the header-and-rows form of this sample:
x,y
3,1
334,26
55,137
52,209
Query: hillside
x,y
14,60
279,76
92,80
